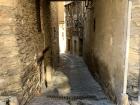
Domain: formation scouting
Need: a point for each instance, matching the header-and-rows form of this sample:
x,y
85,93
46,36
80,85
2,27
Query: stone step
x,y
8,100
44,101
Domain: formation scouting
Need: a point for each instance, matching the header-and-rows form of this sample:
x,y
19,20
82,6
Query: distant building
x,y
74,27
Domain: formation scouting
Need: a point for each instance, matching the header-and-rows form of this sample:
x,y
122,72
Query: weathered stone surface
x,y
43,101
81,83
54,31
104,47
21,40
10,63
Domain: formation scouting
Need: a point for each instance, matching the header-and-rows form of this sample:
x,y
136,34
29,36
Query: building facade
x,y
74,27
107,33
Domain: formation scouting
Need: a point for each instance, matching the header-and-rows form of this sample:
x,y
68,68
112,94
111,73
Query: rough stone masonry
x,y
21,40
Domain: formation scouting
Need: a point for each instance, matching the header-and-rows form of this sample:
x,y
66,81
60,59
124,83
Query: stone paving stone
x,y
42,100
81,82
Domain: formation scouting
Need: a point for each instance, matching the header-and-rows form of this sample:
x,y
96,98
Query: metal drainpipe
x,y
124,97
127,47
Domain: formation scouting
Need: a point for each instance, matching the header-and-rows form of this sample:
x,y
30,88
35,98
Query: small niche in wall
x,y
38,21
94,25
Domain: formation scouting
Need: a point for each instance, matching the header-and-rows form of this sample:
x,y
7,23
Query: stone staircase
x,y
42,100
84,90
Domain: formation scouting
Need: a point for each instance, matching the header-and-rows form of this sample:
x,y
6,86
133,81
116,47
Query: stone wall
x,y
21,41
49,23
104,43
19,44
55,32
30,44
10,64
74,20
134,54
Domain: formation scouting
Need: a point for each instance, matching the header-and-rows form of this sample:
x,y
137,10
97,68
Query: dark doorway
x,y
80,47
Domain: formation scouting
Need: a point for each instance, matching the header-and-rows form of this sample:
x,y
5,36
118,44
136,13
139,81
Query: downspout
x,y
124,96
127,47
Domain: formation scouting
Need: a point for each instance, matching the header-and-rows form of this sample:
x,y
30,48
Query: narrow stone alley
x,y
55,52
84,90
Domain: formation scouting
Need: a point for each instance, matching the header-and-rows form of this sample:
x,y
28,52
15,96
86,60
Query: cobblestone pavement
x,y
81,84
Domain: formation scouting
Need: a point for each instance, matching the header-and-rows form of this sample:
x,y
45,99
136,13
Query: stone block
x,y
13,101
